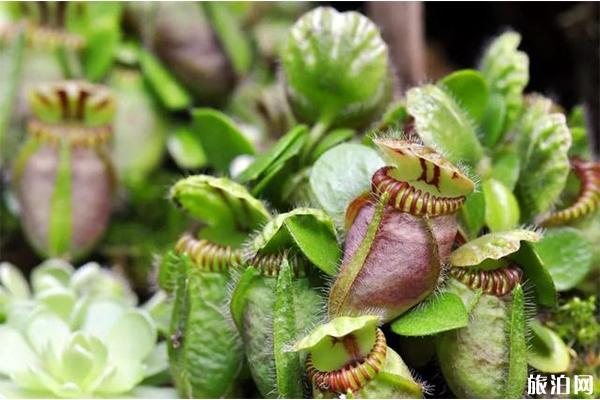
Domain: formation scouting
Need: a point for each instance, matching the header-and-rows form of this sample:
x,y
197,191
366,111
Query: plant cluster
x,y
328,217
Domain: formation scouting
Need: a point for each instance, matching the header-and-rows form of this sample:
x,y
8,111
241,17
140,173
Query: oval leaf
x,y
493,246
567,254
439,313
547,352
311,230
443,125
469,89
342,174
221,139
501,207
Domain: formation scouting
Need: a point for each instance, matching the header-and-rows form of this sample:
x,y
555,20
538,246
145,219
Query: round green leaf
x,y
469,89
567,254
342,174
547,352
336,68
501,207
442,312
492,246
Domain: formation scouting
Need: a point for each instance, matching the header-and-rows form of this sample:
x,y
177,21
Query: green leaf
x,y
285,148
492,246
342,174
501,207
567,254
60,225
337,74
316,238
221,139
547,352
507,71
517,346
492,122
469,89
170,92
332,139
99,24
472,214
311,230
535,271
544,141
229,212
439,313
394,117
228,29
506,168
238,298
336,328
443,125
186,149
287,364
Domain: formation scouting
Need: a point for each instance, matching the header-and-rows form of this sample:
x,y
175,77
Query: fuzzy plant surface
x,y
278,297
205,349
75,333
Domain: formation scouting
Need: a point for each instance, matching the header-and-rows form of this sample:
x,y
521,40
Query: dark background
x,y
561,39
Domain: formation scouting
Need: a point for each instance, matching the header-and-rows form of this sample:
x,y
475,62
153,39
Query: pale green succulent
x,y
75,334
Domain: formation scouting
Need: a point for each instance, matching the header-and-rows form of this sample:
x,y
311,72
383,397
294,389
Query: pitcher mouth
x,y
353,376
498,282
76,135
407,198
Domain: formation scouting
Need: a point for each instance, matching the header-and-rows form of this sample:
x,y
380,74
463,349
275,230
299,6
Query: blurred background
x,y
160,59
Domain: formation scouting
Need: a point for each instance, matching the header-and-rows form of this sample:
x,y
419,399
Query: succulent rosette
x,y
278,296
411,209
349,356
75,334
205,349
63,175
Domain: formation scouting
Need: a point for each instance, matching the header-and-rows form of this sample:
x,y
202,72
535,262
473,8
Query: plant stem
x,y
314,136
